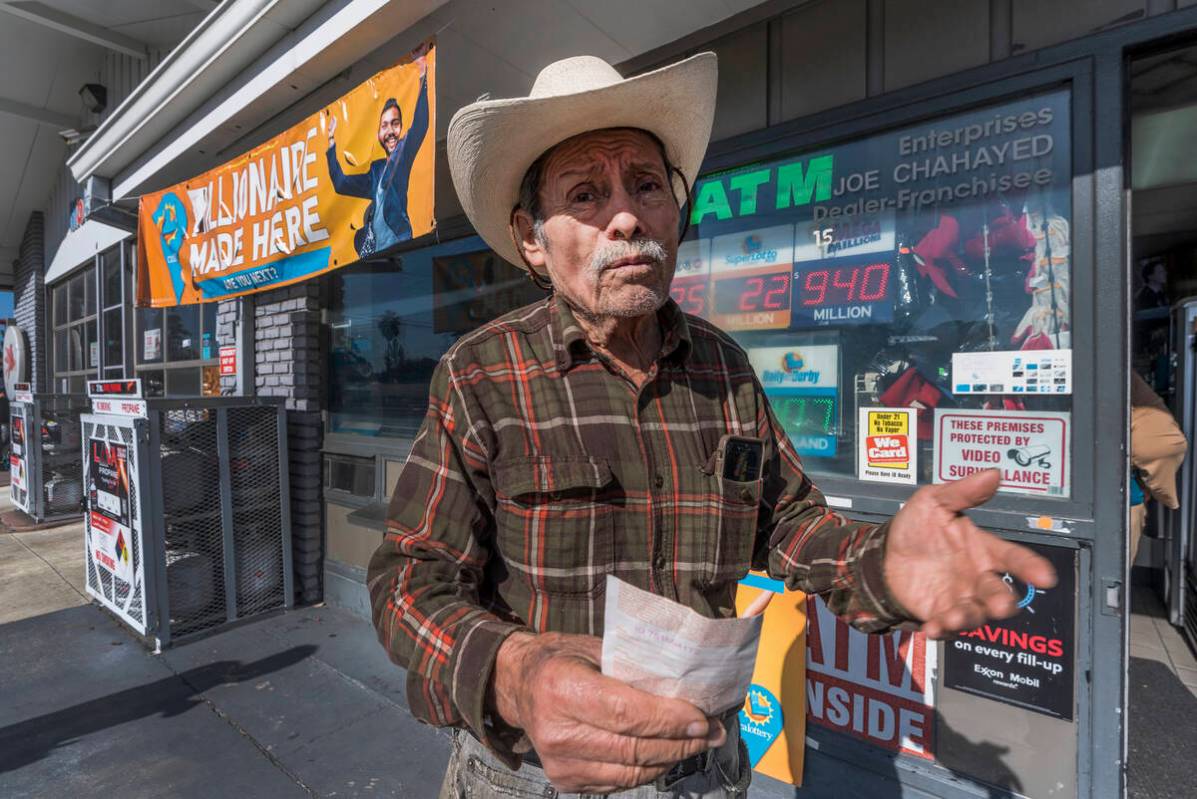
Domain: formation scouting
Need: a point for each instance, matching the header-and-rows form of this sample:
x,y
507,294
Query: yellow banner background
x,y
273,217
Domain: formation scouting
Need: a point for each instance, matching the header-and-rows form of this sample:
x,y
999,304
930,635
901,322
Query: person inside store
x,y
603,431
1157,449
384,184
1154,291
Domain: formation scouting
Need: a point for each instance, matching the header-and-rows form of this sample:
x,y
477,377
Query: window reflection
x,y
925,268
391,320
182,333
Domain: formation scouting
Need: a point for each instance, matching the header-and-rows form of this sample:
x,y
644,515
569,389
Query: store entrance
x,y
1162,175
1163,179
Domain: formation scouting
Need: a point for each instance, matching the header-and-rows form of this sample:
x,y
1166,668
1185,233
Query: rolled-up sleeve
x,y
424,579
813,549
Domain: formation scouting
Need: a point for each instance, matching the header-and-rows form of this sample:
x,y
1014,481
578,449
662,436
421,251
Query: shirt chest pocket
x,y
555,522
729,529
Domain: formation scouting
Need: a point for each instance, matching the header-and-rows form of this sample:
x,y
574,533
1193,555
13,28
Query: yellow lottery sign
x,y
773,719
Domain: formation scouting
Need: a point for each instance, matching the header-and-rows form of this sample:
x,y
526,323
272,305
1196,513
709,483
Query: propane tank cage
x,y
188,521
44,465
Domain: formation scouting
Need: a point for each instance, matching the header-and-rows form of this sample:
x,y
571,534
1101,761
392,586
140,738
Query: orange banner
x,y
352,180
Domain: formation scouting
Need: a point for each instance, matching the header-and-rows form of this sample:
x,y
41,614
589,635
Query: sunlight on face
x,y
610,223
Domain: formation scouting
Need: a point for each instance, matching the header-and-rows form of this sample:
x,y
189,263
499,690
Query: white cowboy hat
x,y
492,143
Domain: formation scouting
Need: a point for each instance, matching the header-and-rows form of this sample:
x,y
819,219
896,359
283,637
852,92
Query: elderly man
x,y
602,431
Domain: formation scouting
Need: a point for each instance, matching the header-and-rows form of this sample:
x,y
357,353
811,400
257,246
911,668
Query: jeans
x,y
475,773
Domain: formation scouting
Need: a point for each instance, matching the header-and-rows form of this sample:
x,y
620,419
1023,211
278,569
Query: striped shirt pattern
x,y
540,469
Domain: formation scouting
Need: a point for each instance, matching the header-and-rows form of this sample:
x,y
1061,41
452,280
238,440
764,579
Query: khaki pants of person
x,y
1138,518
475,773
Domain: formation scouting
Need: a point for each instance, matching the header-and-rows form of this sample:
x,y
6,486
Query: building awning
x,y
81,245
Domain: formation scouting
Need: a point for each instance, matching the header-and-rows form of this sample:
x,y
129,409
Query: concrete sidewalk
x,y
298,704
304,704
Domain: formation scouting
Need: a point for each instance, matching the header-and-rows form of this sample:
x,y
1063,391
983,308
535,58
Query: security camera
x,y
95,97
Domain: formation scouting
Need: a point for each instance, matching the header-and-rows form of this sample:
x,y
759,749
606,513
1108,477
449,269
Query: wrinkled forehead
x,y
598,150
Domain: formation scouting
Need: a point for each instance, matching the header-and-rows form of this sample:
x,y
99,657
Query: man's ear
x,y
526,241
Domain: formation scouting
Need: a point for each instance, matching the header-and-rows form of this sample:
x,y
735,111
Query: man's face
x,y
610,223
390,129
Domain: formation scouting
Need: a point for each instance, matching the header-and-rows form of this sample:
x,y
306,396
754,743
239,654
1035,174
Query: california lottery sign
x,y
802,384
1030,448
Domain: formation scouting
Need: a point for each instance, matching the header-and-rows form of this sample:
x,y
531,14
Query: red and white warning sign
x,y
228,361
1031,448
110,546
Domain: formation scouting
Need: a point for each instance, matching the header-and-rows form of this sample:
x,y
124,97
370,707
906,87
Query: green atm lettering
x,y
798,183
746,185
796,188
711,199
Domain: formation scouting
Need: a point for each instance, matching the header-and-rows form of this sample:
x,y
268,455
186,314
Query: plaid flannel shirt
x,y
540,469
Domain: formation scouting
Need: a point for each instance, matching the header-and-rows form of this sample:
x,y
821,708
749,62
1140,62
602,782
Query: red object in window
x,y
1007,236
937,248
912,390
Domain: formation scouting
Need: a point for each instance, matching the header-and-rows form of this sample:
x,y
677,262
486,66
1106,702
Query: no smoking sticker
x,y
888,450
1031,448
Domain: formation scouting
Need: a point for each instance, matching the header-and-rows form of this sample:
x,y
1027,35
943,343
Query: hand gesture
x,y
593,734
332,130
420,57
945,570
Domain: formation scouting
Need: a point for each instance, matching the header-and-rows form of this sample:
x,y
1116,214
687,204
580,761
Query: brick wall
x,y
29,296
288,363
228,316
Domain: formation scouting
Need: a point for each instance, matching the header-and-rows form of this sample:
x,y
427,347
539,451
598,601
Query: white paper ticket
x,y
667,649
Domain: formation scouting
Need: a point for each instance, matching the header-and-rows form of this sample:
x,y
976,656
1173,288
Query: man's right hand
x,y
332,130
592,734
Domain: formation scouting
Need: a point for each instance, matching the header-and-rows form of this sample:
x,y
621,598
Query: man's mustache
x,y
645,249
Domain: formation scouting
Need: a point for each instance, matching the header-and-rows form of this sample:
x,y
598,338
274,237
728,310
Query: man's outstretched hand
x,y
947,572
592,734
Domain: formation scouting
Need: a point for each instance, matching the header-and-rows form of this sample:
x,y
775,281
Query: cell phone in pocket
x,y
741,458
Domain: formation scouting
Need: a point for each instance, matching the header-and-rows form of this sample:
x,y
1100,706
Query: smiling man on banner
x,y
384,184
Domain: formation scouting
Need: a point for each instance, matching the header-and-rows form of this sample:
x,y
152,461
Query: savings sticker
x,y
888,451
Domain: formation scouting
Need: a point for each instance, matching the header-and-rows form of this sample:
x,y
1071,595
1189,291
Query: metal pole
x,y
284,488
226,513
153,520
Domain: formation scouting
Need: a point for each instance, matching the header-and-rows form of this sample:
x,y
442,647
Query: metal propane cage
x,y
188,522
44,463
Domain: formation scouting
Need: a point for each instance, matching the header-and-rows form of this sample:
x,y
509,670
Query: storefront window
x,y
149,335
182,332
88,322
73,324
923,273
390,321
112,302
176,351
